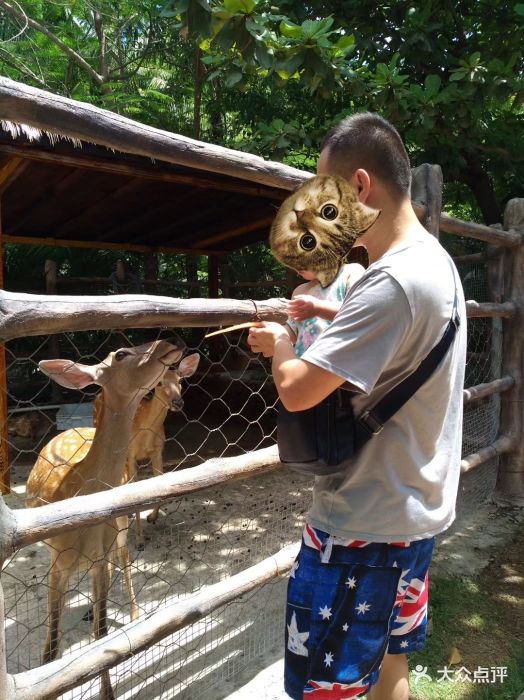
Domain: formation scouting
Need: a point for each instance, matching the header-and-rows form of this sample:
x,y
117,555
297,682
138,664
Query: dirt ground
x,y
235,653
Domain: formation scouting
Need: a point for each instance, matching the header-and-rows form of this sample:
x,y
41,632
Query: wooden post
x,y
193,289
212,276
225,276
53,346
151,272
120,272
7,530
5,477
426,189
510,483
216,345
495,273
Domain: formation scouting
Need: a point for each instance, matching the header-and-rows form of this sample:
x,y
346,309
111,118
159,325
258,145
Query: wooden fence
x,y
28,315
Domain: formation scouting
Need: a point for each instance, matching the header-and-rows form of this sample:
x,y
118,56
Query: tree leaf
x,y
243,7
432,84
233,76
290,30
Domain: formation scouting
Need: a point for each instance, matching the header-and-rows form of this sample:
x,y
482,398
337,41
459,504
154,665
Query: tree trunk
x,y
197,104
479,182
192,276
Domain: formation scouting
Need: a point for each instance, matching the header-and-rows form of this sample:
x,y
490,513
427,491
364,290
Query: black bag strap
x,y
372,421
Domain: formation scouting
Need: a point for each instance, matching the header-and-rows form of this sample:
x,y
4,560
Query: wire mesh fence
x,y
229,409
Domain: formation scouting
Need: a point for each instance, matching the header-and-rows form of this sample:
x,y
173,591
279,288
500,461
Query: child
x,y
312,307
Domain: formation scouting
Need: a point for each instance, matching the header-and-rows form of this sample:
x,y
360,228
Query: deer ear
x,y
70,374
188,365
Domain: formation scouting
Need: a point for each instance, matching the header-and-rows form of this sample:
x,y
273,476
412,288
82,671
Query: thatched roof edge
x,y
32,112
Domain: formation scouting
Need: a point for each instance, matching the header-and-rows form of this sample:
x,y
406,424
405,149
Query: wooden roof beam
x,y
144,218
25,217
11,170
106,165
102,245
98,207
256,225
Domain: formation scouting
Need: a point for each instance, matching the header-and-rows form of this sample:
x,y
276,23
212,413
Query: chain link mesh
x,y
229,409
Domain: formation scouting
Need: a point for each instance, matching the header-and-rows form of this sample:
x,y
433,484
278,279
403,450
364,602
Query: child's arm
x,y
304,306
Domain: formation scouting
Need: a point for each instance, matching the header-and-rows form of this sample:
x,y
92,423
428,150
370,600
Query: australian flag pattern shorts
x,y
348,604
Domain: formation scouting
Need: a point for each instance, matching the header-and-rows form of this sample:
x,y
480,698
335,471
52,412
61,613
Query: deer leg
x,y
158,469
56,582
130,475
100,577
122,524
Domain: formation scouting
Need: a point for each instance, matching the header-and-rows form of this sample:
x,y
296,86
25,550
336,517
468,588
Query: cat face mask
x,y
317,225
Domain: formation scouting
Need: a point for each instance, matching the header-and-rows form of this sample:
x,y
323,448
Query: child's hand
x,y
301,307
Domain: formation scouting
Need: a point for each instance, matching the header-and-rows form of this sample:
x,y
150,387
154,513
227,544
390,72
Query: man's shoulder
x,y
421,265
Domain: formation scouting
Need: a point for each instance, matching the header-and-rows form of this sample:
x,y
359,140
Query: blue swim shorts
x,y
348,604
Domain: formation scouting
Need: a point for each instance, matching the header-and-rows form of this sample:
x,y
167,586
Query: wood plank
x,y
104,245
10,172
508,239
426,188
511,474
501,446
5,472
489,310
30,210
99,206
36,524
84,664
481,391
260,224
83,162
33,314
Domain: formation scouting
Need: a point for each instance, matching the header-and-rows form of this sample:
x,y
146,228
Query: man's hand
x,y
302,307
264,338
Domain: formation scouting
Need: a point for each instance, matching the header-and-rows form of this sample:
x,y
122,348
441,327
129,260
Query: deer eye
x,y
307,242
329,212
120,354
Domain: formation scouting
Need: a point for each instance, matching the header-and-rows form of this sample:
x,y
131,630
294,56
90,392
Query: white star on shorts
x,y
345,627
403,644
363,608
351,582
325,612
329,659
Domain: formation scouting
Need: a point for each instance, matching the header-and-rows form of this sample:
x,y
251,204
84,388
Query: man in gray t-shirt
x,y
369,533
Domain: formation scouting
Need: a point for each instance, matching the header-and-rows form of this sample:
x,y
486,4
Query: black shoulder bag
x,y
319,440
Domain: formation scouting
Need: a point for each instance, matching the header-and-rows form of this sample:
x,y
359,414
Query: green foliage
x,y
272,78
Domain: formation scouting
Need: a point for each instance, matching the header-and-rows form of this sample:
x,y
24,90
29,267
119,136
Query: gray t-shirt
x,y
403,483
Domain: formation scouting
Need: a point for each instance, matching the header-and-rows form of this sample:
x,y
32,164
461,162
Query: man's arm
x,y
300,384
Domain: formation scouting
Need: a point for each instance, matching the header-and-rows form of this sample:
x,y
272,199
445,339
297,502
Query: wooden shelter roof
x,y
73,174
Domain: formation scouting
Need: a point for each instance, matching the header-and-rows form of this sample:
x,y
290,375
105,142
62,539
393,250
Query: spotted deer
x,y
83,461
148,434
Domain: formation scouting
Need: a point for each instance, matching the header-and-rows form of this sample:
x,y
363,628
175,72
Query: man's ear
x,y
362,182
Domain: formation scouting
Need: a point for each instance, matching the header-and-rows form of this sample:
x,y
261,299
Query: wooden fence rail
x,y
34,314
87,663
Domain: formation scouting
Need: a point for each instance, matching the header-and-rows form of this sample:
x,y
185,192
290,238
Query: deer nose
x,y
177,404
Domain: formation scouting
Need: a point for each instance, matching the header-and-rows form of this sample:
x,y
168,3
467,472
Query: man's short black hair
x,y
369,141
